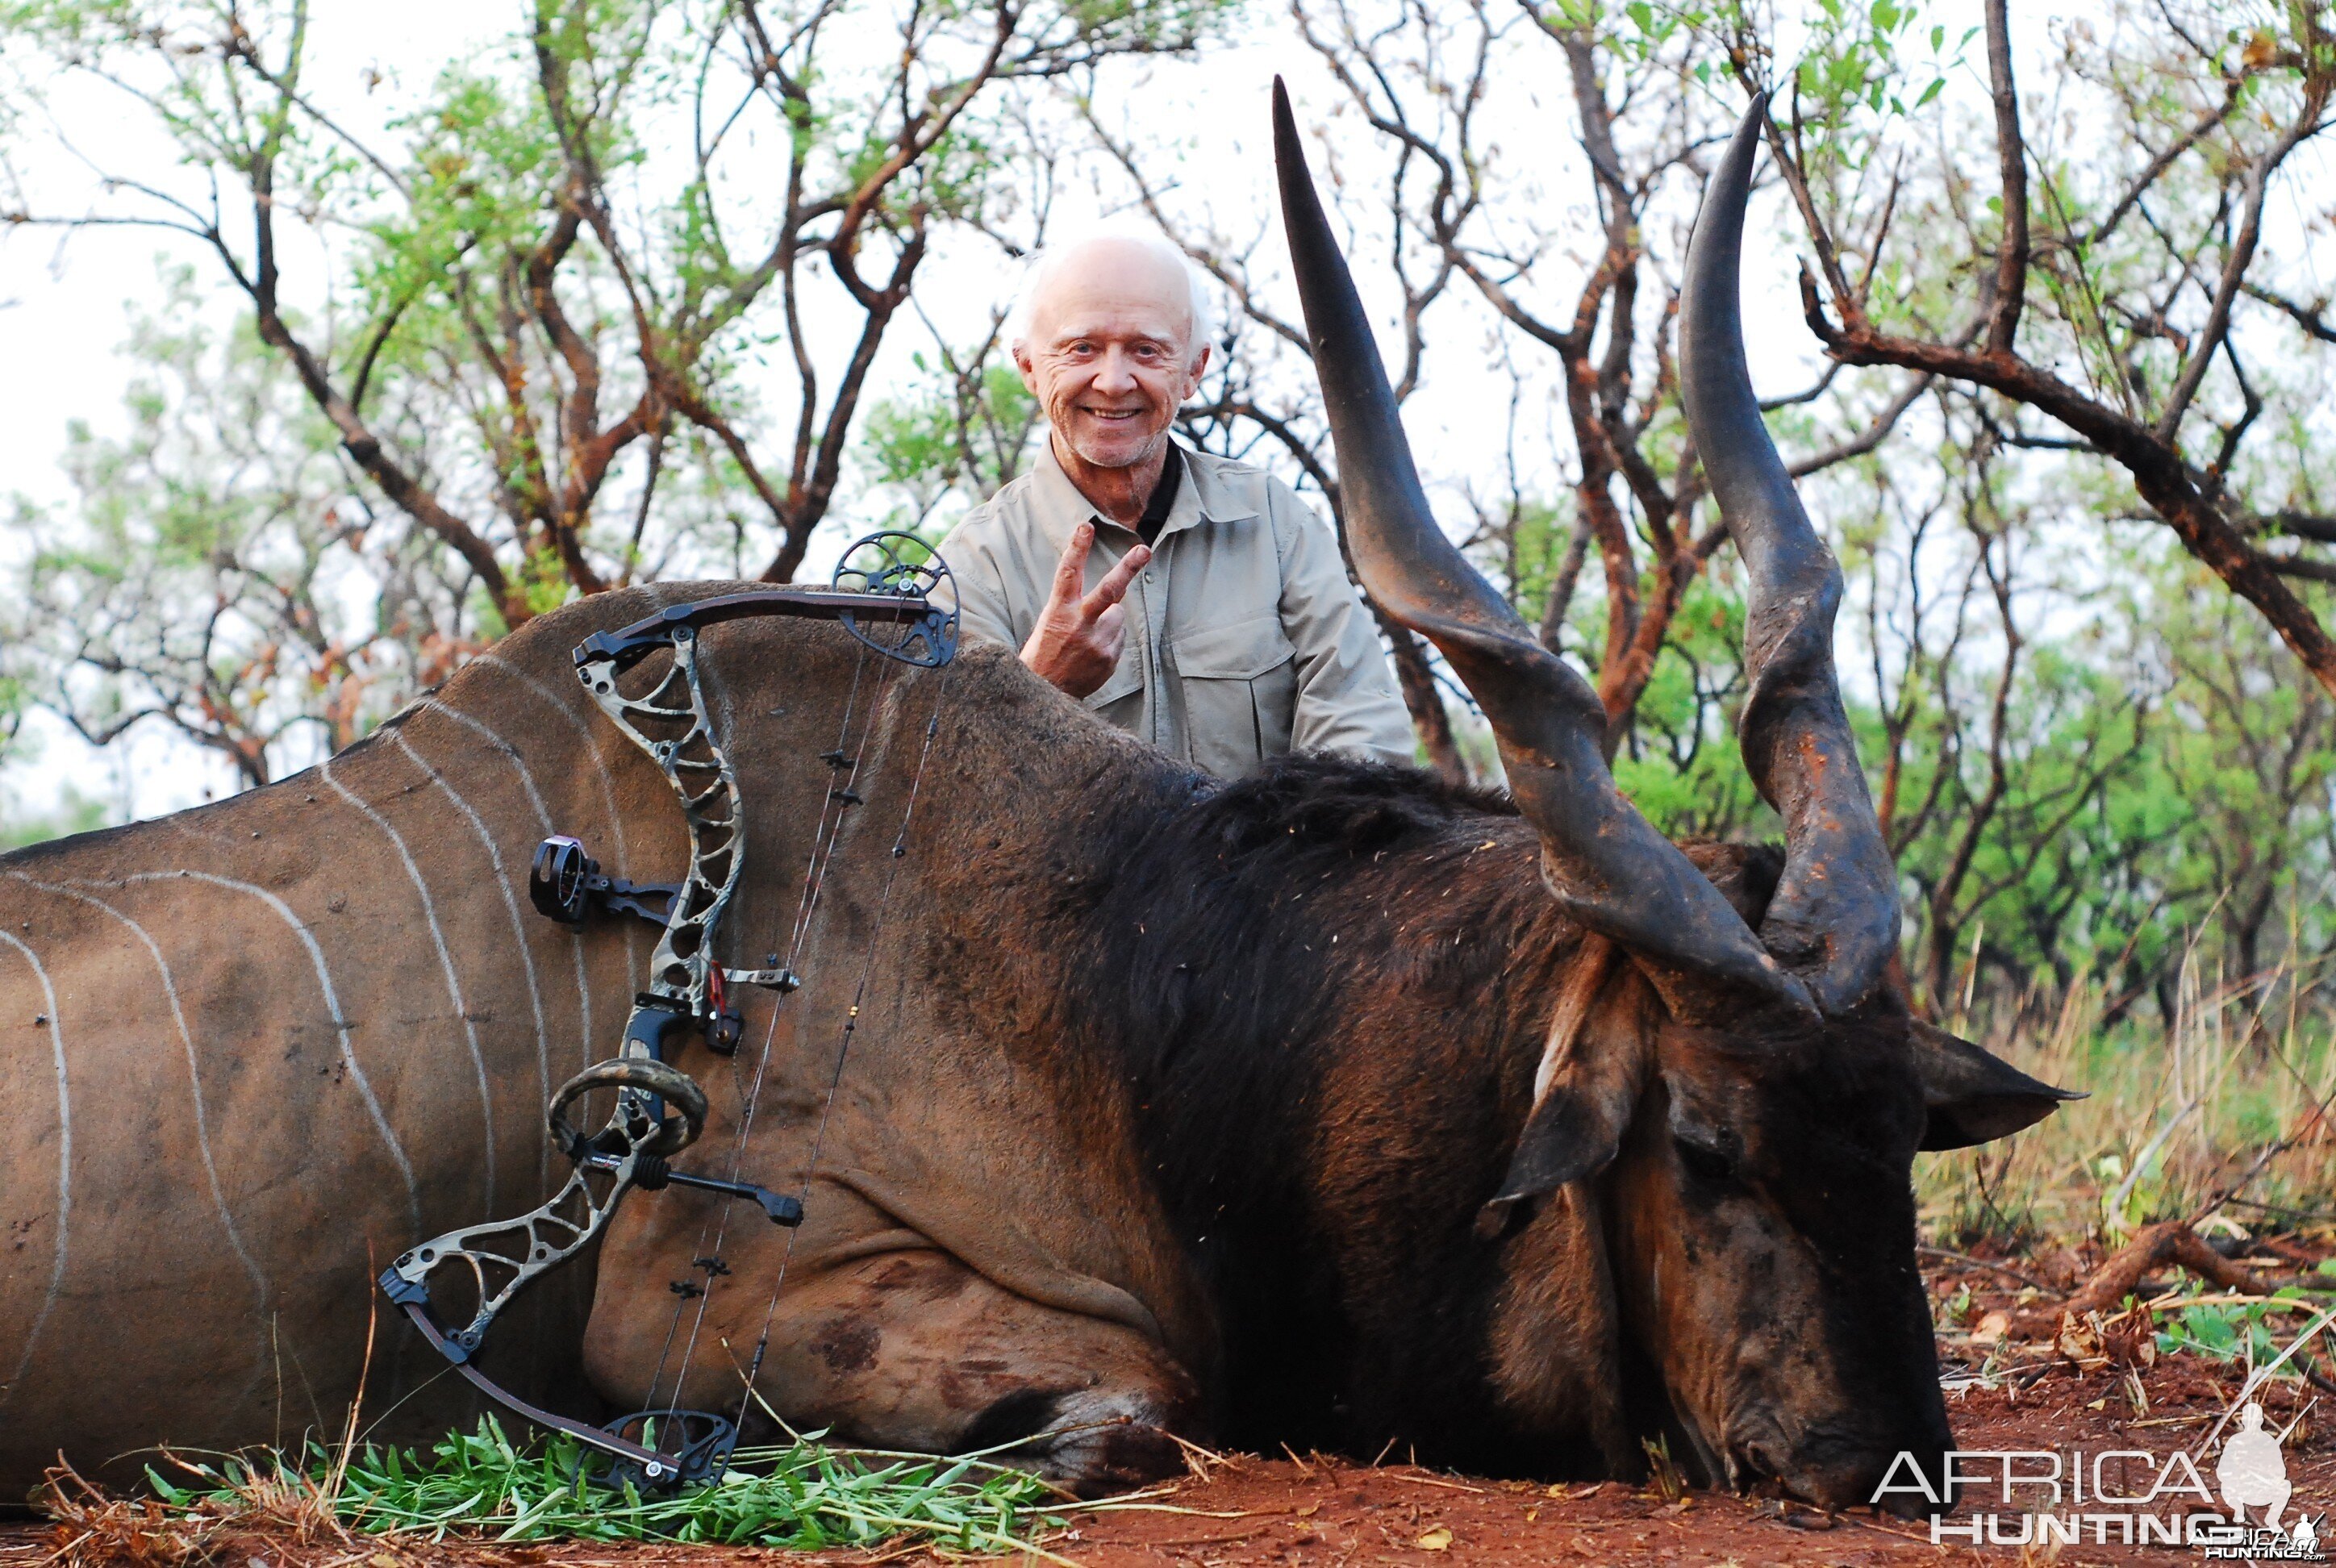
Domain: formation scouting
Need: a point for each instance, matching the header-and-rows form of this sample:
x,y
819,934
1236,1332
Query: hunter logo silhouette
x,y
2253,1471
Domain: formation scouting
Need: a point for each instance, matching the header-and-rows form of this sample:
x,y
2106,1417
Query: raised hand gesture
x,y
1075,644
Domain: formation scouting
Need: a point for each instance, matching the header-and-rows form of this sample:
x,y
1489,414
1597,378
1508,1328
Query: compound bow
x,y
885,601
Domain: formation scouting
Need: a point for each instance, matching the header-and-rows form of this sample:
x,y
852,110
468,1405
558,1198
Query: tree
x,y
1455,218
2249,746
2119,282
2015,751
2073,776
557,261
538,292
964,431
223,570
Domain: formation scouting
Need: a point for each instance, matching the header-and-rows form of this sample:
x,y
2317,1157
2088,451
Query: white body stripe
x,y
510,908
194,1074
445,960
543,820
331,1010
65,1169
583,728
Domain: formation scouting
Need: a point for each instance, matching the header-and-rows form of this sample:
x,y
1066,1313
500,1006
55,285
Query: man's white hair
x,y
1043,266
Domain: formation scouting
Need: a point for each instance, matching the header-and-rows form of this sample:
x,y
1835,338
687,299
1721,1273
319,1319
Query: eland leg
x,y
911,1350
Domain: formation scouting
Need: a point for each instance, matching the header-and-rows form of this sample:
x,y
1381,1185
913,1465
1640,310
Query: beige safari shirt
x,y
1244,638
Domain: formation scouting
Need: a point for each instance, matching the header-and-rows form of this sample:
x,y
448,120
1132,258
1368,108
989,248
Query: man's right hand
x,y
1075,644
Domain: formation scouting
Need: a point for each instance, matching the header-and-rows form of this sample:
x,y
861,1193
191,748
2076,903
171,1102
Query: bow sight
x,y
881,594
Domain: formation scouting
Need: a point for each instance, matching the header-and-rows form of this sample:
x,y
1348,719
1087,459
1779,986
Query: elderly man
x,y
1189,599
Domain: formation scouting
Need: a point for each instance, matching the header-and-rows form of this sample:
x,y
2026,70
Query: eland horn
x,y
1833,921
1607,867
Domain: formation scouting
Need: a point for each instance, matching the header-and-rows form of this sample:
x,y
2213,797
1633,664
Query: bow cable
x,y
825,839
844,1044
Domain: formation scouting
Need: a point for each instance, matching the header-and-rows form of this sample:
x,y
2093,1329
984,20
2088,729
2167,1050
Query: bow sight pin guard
x,y
565,884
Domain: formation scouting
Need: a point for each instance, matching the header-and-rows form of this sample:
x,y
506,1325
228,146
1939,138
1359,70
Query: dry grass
x,y
479,1490
2220,1117
279,1518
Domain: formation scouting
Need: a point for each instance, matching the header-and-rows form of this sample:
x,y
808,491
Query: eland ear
x,y
1579,1113
1574,1132
1972,1095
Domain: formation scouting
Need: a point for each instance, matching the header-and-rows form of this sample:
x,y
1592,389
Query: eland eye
x,y
1705,1154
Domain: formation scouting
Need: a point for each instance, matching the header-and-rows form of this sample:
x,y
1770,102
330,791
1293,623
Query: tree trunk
x,y
1429,720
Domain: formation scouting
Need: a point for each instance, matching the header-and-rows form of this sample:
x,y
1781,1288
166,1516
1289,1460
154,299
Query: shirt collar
x,y
1165,492
1200,498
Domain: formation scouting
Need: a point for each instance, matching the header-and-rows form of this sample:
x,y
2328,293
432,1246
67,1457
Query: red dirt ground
x,y
1252,1512
1249,1511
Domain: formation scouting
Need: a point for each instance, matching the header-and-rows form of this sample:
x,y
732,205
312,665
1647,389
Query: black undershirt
x,y
1163,497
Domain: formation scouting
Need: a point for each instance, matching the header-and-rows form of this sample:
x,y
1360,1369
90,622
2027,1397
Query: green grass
x,y
2231,1331
805,1496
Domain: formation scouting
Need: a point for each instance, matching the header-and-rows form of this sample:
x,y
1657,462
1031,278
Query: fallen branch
x,y
2168,1243
1971,1263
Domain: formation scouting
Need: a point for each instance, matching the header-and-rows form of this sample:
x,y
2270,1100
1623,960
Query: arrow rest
x,y
882,597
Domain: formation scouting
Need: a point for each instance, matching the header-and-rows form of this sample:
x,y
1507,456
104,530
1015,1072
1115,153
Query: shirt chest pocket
x,y
1239,689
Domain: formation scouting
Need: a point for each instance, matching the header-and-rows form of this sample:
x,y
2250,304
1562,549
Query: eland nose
x,y
1900,1475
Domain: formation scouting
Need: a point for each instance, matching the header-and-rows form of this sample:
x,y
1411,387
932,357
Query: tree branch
x,y
2157,471
2311,317
2011,160
1876,431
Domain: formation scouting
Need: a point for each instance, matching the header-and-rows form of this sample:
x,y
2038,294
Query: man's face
x,y
1109,351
